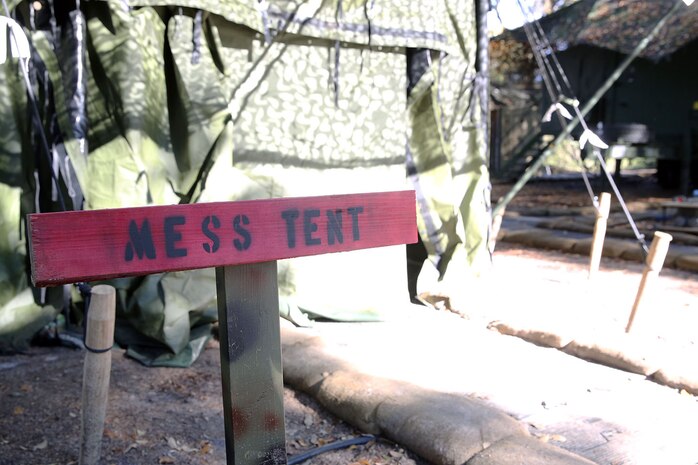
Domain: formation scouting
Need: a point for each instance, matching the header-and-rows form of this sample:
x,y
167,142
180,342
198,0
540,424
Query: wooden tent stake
x,y
599,233
99,339
494,230
653,265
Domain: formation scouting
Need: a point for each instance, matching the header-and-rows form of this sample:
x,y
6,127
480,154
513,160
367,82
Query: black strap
x,y
86,292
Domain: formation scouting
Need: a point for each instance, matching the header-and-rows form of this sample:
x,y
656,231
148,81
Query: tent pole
x,y
482,65
528,174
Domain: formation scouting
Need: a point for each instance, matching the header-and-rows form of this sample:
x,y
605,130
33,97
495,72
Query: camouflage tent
x,y
161,102
618,26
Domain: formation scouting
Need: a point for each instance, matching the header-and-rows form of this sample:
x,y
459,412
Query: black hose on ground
x,y
300,458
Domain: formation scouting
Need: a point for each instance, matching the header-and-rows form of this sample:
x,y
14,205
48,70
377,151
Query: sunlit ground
x,y
608,415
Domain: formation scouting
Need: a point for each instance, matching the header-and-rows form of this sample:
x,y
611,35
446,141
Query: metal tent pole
x,y
482,65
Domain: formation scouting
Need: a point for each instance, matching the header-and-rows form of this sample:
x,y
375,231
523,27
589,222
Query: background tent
x,y
651,109
618,26
157,102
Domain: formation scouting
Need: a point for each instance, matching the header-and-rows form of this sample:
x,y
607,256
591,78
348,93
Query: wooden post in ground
x,y
251,373
653,265
99,338
599,233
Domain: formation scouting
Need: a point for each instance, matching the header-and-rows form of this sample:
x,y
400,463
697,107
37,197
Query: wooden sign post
x,y
243,240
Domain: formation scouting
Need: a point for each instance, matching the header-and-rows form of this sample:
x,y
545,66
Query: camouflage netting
x,y
158,102
617,25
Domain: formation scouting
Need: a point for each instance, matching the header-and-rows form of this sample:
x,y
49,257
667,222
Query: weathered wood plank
x,y
251,372
101,244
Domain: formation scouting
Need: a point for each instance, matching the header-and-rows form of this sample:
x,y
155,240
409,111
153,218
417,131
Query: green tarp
x,y
175,102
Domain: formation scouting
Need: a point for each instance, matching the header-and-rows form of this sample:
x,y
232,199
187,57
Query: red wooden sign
x,y
93,245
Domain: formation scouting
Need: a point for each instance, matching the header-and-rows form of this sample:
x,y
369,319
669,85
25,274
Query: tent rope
x,y
539,43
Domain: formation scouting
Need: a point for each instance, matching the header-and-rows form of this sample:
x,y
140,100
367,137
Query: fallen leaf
x,y
41,446
185,448
166,459
205,447
25,388
130,447
178,446
18,411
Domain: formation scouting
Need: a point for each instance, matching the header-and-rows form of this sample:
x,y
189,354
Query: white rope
x,y
539,42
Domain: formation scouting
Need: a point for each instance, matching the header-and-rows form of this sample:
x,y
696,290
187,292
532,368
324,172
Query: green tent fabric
x,y
207,101
20,316
12,115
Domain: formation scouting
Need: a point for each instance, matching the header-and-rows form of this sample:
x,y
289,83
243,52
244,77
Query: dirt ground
x,y
572,193
154,416
174,416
